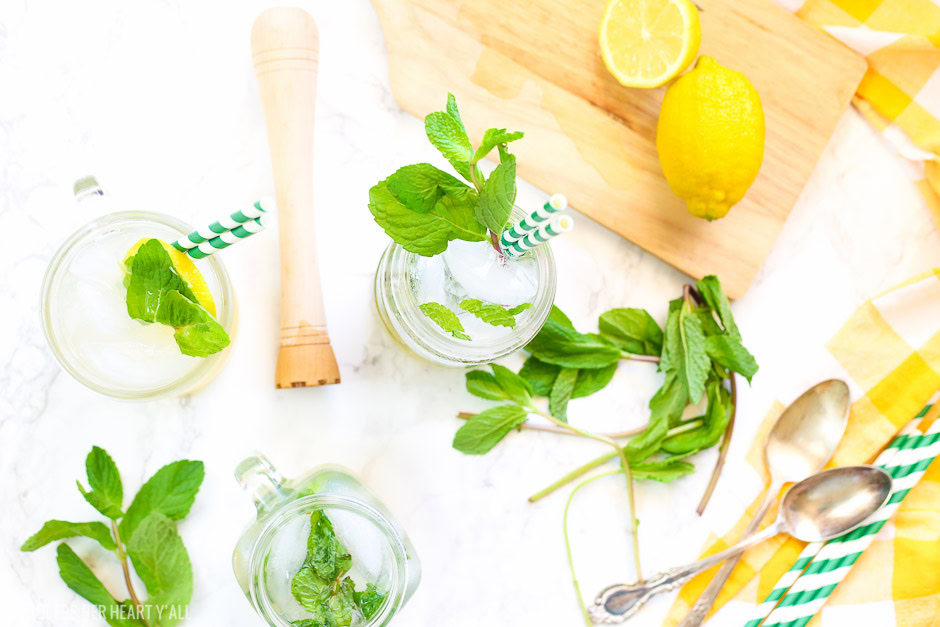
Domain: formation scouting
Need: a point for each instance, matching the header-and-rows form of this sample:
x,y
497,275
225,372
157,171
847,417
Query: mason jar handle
x,y
87,187
258,476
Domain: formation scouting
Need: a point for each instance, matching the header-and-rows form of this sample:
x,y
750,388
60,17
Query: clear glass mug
x,y
101,346
399,310
272,550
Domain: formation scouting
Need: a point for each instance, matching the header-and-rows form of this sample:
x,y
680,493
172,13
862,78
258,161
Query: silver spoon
x,y
800,443
817,509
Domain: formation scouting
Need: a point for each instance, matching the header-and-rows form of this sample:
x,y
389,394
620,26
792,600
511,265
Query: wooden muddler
x,y
285,51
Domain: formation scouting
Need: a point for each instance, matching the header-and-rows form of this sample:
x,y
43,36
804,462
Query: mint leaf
x,y
151,275
557,315
419,187
540,375
684,350
661,470
498,196
426,234
715,420
494,137
77,576
591,380
448,135
561,393
484,431
197,333
325,554
369,601
59,529
633,329
516,388
446,319
496,315
453,112
342,603
310,590
485,385
170,491
710,289
731,354
162,563
563,346
107,493
666,407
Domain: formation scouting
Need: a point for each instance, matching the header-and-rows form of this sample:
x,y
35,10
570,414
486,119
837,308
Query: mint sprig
x,y
156,293
322,586
495,315
145,536
446,319
423,208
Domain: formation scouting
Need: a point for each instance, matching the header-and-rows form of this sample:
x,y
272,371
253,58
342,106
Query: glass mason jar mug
x,y
85,319
273,549
406,282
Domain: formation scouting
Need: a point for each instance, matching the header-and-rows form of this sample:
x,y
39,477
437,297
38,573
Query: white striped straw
x,y
224,225
534,220
810,551
913,454
226,239
558,225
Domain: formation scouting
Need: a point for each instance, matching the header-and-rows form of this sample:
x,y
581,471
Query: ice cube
x,y
485,275
428,278
288,552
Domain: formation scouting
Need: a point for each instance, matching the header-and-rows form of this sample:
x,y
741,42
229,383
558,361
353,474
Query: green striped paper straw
x,y
559,225
812,549
226,239
224,225
534,220
913,453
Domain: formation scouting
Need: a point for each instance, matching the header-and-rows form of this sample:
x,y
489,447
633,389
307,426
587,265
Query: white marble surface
x,y
158,100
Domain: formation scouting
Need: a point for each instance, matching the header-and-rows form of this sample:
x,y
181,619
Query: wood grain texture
x,y
534,65
285,52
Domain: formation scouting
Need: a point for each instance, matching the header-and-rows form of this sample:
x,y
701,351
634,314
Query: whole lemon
x,y
710,138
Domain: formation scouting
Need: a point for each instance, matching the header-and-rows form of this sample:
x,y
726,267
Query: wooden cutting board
x,y
534,66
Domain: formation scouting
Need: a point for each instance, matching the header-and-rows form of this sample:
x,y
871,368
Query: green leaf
x,y
498,196
453,112
561,393
446,319
684,351
325,553
591,380
426,234
563,346
494,137
197,333
731,354
152,274
310,590
369,600
540,375
518,309
107,493
715,421
342,603
170,491
664,470
419,187
59,529
162,563
557,315
516,388
483,384
710,289
666,406
77,576
484,431
634,330
496,315
448,135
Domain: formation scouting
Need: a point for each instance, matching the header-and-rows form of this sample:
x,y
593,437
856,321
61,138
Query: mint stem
x,y
122,555
722,450
634,523
650,358
465,415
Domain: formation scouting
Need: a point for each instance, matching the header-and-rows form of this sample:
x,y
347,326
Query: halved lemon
x,y
188,272
647,43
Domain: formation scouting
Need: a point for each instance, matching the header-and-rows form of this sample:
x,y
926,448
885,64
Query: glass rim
x,y
225,301
262,545
422,331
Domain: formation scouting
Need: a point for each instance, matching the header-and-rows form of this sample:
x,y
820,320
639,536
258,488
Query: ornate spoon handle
x,y
619,602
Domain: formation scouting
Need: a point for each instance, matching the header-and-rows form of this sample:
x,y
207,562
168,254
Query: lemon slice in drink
x,y
188,272
646,43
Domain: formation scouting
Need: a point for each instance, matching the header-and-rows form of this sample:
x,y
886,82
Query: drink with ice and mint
x,y
108,329
322,551
448,287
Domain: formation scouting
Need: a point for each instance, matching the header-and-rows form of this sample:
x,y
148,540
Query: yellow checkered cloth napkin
x,y
900,93
890,352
